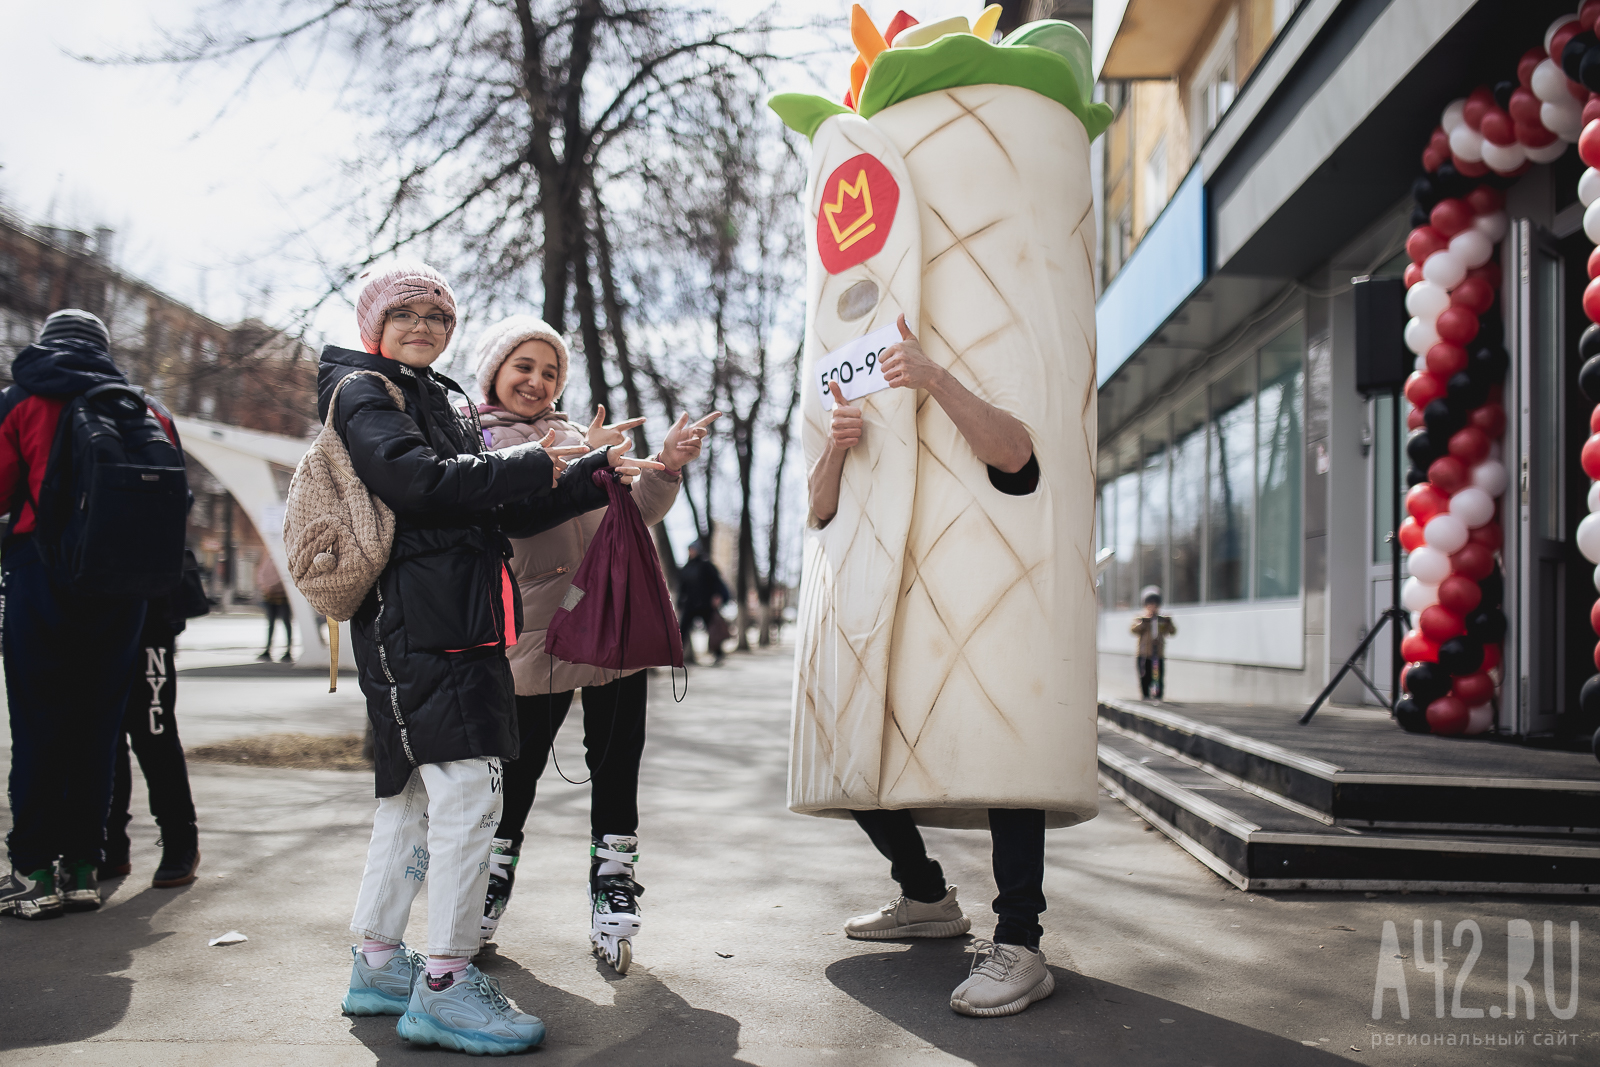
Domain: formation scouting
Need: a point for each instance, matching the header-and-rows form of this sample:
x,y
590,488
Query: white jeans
x,y
442,825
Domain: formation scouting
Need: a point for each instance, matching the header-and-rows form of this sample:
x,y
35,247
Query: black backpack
x,y
115,500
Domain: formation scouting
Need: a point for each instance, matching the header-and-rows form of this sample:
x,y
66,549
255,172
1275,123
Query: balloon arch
x,y
1458,474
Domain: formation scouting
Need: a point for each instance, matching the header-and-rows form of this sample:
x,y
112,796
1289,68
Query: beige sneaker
x,y
1004,980
904,917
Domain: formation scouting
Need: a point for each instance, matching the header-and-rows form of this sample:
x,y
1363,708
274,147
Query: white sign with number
x,y
855,366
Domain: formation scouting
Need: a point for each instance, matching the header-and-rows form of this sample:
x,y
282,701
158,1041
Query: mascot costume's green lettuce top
x,y
946,658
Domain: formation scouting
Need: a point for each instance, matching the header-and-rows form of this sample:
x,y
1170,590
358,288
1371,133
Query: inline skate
x,y
614,899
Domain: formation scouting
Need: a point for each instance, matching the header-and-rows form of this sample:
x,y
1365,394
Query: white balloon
x,y
1466,143
1473,248
1548,153
1420,364
1429,565
1492,225
1444,269
1597,579
1474,507
1426,300
1589,186
1591,221
1594,496
1588,538
1565,120
1454,115
1417,595
1479,719
1503,159
1550,30
1549,82
1446,533
1422,334
1490,476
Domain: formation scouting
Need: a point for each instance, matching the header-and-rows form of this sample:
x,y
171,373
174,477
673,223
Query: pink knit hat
x,y
395,285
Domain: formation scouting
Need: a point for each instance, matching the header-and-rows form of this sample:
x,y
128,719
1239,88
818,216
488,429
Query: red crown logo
x,y
857,210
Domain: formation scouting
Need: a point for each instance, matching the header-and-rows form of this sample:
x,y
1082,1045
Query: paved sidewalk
x,y
741,960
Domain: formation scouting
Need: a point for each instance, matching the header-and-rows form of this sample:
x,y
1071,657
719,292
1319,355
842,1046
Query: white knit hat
x,y
502,339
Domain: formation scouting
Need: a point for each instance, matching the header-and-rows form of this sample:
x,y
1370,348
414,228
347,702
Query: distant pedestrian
x,y
1152,629
275,602
701,594
71,631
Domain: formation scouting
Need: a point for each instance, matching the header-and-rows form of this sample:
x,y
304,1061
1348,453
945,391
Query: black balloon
x,y
1487,363
1487,625
1589,342
1412,718
1491,327
1571,57
1449,182
1465,393
1424,193
1415,476
1589,379
1419,216
1427,682
1502,93
1419,446
1589,699
1443,418
1589,70
1461,655
1493,589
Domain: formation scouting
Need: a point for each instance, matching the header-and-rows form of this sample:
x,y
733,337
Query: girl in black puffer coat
x,y
430,643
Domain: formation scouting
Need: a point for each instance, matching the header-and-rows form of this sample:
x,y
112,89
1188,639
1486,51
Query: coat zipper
x,y
394,687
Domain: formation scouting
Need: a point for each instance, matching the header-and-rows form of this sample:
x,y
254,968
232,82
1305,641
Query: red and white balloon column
x,y
1452,531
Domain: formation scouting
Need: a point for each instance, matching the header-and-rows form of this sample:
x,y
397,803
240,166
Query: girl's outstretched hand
x,y
559,456
683,442
600,435
628,469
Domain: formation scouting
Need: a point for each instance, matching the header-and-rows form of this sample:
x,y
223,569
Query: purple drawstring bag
x,y
617,613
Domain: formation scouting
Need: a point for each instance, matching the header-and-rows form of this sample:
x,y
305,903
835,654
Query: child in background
x,y
1152,628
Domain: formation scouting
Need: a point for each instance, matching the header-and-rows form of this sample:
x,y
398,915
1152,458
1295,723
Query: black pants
x,y
277,613
1018,837
686,626
150,725
613,741
1152,676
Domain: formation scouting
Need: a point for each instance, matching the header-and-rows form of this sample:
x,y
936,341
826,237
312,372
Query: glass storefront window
x,y
1279,465
1231,481
1188,498
1383,473
1153,508
1125,571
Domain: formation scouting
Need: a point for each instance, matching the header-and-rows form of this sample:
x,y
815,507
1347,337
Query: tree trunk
x,y
774,536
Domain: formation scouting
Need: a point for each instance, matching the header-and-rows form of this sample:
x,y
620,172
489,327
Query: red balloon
x,y
1448,715
1497,127
1424,501
1479,101
1497,393
1594,617
1415,648
1414,419
1422,388
1594,419
1433,159
1449,474
1591,292
1473,561
1439,623
1491,419
1594,261
1470,445
1489,272
1473,689
1411,535
1440,140
1450,217
1424,241
1589,143
1489,535
1413,274
1559,39
1533,135
1457,324
1590,457
1491,658
1468,167
1587,12
1524,107
1530,59
1597,657
1459,595
1445,359
1473,294
1591,111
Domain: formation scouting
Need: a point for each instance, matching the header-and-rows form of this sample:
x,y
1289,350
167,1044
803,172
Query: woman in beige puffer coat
x,y
522,369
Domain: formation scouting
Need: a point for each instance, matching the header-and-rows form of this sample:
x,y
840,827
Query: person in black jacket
x,y
701,594
429,645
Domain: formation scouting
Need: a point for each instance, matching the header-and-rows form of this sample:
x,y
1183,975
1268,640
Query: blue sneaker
x,y
468,1013
382,990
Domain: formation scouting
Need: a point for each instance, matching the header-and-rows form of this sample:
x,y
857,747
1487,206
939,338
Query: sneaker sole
x,y
954,928
183,880
33,912
372,1002
426,1030
1038,992
82,904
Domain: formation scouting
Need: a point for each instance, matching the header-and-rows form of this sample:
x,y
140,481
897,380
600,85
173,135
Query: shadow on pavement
x,y
648,1024
71,989
1091,1021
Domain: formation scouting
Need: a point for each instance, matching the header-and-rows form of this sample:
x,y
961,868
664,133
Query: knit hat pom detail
x,y
388,287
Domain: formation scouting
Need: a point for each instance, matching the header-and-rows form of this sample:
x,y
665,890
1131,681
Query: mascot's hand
x,y
846,431
906,366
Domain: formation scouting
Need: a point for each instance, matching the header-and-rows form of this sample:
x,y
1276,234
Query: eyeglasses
x,y
406,321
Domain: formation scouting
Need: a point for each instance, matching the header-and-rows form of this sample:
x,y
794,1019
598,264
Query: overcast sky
x,y
203,185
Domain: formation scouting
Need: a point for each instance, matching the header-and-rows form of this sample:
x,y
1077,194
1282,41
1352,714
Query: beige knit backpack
x,y
336,534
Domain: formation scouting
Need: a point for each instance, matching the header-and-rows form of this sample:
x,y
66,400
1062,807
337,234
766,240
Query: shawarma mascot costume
x,y
945,674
